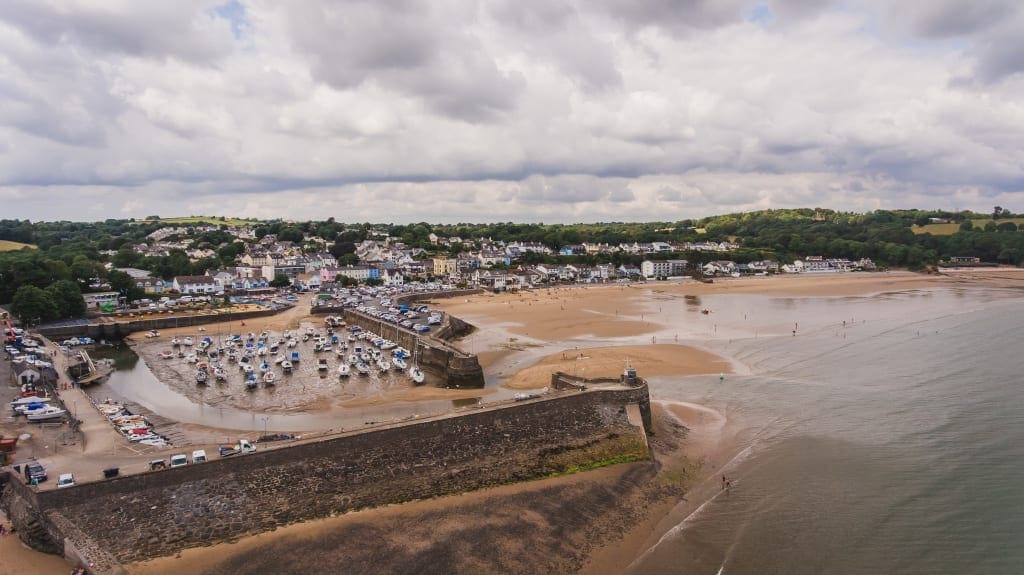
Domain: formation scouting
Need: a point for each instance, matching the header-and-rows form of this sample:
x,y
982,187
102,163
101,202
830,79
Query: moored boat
x,y
286,366
321,364
416,374
47,414
343,370
269,378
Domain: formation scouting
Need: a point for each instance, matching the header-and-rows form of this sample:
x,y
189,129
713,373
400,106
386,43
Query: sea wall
x,y
158,513
120,328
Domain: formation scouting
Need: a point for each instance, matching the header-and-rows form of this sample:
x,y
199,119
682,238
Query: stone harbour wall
x,y
158,513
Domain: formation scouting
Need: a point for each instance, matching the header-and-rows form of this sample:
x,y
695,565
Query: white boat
x,y
264,367
279,359
28,400
343,370
246,369
201,376
321,364
383,366
219,374
362,368
399,362
328,347
286,366
416,374
388,345
186,341
269,378
191,358
292,343
353,359
175,341
47,414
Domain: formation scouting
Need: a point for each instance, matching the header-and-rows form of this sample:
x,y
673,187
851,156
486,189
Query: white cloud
x,y
461,111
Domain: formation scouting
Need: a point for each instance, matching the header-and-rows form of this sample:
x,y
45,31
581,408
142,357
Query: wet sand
x,y
17,559
652,360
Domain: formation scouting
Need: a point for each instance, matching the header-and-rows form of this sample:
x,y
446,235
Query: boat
x,y
343,370
321,364
353,359
286,366
186,341
269,378
416,374
201,377
327,347
191,358
47,414
219,374
175,341
167,354
203,365
28,400
264,367
279,358
383,366
318,347
362,368
295,357
250,382
292,342
247,369
399,362
389,345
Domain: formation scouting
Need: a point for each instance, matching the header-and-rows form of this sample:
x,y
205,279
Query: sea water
x,y
891,443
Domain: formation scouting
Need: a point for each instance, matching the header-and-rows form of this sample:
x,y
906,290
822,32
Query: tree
x,y
67,297
1007,227
123,284
31,304
280,281
966,226
374,281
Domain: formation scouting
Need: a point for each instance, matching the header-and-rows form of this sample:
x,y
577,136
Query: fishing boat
x,y
280,357
269,378
292,342
250,382
264,367
388,345
353,359
286,366
321,364
383,366
191,358
343,370
247,369
175,341
219,373
327,347
362,368
201,377
167,354
416,374
399,362
49,413
202,365
318,347
186,341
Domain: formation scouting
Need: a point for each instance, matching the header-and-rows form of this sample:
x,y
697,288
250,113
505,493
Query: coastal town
x,y
282,347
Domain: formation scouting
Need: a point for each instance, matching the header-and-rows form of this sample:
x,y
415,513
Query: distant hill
x,y
8,246
213,220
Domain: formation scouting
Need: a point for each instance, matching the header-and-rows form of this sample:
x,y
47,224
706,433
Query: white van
x,y
199,456
65,480
179,460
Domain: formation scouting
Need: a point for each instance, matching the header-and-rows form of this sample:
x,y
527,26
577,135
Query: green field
x,y
201,220
949,229
6,246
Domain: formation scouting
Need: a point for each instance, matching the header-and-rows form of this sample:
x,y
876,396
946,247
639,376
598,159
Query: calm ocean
x,y
893,444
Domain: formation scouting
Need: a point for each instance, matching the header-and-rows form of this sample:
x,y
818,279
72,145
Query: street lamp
x,y
265,419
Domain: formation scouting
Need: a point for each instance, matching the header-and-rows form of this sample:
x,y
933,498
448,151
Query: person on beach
x,y
724,481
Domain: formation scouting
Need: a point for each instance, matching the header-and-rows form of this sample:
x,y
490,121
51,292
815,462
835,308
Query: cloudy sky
x,y
507,110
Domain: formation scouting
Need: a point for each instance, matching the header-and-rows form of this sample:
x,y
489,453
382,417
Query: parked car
x,y
179,459
199,456
34,471
65,480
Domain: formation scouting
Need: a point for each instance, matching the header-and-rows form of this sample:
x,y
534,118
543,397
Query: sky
x,y
507,110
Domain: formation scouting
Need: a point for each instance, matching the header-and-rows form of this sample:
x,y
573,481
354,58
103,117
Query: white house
x,y
194,285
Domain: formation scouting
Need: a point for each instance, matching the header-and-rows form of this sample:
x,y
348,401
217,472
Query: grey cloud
x,y
673,14
951,18
183,29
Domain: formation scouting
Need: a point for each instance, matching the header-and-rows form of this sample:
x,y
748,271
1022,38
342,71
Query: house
x,y
193,285
308,281
720,267
26,373
150,285
665,268
224,278
964,260
445,266
572,250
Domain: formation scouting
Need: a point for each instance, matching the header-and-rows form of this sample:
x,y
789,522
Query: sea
x,y
884,434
